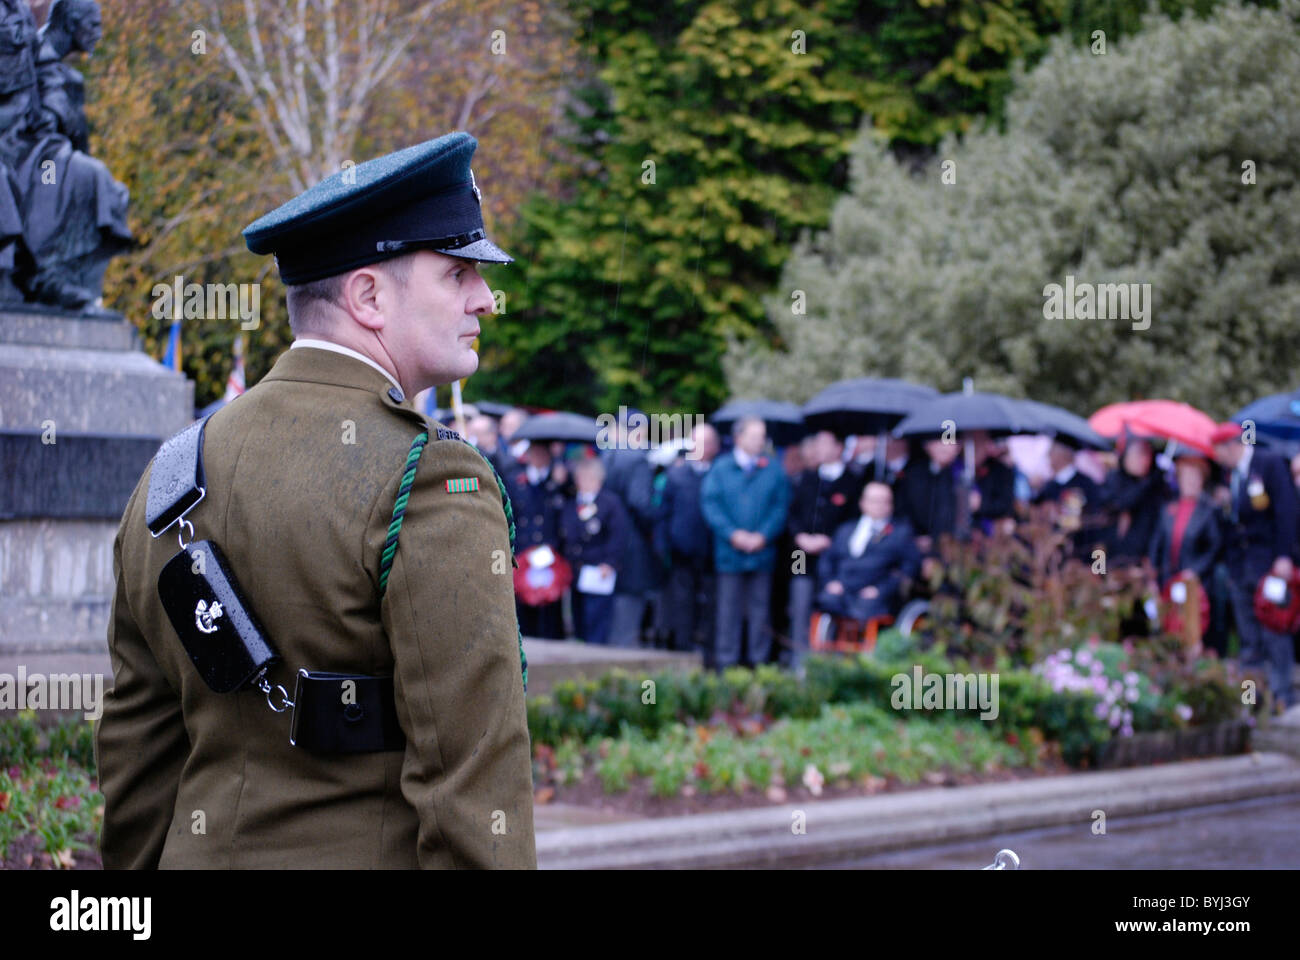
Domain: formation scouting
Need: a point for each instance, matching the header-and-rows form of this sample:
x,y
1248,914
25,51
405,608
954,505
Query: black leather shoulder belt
x,y
332,712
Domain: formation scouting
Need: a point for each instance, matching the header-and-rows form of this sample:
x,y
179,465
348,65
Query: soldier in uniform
x,y
307,475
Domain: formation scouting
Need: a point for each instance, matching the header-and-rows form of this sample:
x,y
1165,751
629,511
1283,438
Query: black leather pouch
x,y
217,627
345,713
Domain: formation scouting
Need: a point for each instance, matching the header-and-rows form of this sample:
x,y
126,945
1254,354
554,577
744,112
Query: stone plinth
x,y
82,411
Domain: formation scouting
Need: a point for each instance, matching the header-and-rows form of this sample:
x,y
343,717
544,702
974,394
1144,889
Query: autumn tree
x,y
213,114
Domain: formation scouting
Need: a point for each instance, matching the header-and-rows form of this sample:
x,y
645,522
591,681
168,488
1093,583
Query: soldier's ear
x,y
366,297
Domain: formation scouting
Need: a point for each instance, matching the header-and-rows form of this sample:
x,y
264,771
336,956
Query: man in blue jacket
x,y
745,499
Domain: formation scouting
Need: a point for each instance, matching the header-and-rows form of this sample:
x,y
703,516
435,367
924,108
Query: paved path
x,y
1247,835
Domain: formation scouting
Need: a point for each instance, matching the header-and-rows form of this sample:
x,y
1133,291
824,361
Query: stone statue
x,y
62,215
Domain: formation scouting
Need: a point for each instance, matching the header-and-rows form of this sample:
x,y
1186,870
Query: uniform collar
x,y
346,351
333,366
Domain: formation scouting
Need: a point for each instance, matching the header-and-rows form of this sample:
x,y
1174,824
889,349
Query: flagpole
x,y
457,408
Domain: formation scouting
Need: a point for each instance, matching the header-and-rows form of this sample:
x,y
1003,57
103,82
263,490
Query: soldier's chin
x,y
467,363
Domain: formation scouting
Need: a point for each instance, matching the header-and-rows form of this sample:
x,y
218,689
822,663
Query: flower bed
x,y
1064,706
50,804
683,735
847,745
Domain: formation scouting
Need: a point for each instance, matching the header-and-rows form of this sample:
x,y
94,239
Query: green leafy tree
x,y
632,278
1169,162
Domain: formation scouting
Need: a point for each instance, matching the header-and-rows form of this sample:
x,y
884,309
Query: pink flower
x,y
813,779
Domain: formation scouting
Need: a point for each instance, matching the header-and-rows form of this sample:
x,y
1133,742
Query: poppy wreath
x,y
1279,619
546,584
1173,618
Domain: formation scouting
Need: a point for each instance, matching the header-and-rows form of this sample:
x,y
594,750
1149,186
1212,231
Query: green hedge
x,y
601,707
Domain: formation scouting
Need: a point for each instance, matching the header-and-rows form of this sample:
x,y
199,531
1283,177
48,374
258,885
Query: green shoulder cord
x,y
399,511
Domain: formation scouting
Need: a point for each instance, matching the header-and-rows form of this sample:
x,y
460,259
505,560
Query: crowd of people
x,y
730,553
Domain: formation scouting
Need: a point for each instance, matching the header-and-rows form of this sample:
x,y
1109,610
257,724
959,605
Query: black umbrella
x,y
1071,429
868,405
564,427
970,411
491,407
784,420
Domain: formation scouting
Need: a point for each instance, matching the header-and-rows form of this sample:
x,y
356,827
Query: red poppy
x,y
837,499
762,461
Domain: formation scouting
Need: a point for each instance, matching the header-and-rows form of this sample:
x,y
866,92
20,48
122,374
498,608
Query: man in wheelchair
x,y
865,571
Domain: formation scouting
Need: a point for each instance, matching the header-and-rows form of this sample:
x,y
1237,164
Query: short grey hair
x,y
304,299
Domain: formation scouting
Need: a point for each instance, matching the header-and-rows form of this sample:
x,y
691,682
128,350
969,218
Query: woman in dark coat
x,y
1188,536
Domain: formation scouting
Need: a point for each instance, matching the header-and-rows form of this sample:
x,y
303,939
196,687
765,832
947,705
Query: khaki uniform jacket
x,y
302,476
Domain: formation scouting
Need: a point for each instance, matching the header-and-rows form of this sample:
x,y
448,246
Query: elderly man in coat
x,y
870,560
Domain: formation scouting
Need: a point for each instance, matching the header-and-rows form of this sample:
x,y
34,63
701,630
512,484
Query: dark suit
x,y
630,477
1052,490
1261,527
593,538
927,497
817,505
889,560
685,538
996,483
1142,498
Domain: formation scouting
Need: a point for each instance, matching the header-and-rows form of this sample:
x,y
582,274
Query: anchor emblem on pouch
x,y
205,616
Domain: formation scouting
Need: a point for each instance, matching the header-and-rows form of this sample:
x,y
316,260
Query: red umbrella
x,y
1157,418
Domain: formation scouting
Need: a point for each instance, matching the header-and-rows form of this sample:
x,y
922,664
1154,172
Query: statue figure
x,y
71,211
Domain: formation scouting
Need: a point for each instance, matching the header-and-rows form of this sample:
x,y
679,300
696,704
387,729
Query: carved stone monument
x,y
82,408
